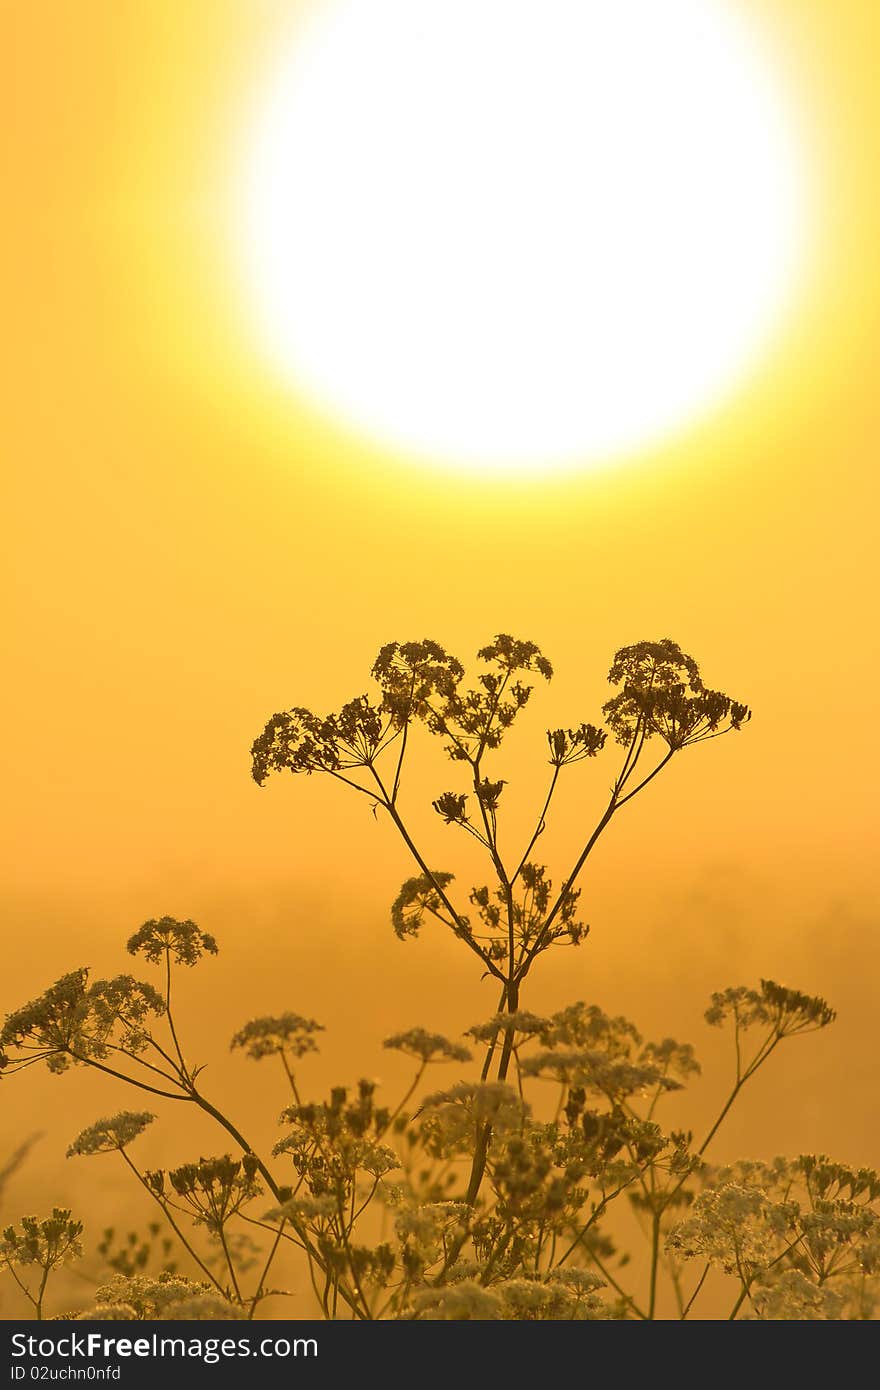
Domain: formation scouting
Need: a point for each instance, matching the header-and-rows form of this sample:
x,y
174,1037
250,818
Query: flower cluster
x,y
450,1118
561,1296
521,1025
613,1077
166,938
801,1235
46,1243
427,1047
421,680
784,1011
417,896
214,1189
662,693
165,1297
113,1135
297,740
573,745
75,1021
734,1227
414,677
528,914
332,1143
285,1034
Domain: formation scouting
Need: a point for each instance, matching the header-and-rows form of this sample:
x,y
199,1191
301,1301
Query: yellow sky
x,y
187,549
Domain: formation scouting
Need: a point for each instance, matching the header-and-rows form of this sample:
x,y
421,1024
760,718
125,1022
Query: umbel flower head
x,y
477,719
786,1011
110,1136
167,1296
415,677
74,1021
417,896
331,1143
564,1296
48,1242
214,1189
573,745
297,740
181,942
287,1033
427,1047
662,693
466,1301
521,1024
733,1227
787,1295
449,1118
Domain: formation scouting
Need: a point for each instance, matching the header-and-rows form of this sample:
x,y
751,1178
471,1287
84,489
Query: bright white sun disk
x,y
519,234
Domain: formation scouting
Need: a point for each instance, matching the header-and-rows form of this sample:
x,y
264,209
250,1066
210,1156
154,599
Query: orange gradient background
x,y
187,548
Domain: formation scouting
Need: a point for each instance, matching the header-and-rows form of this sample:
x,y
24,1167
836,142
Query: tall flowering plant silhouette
x,y
660,699
498,1191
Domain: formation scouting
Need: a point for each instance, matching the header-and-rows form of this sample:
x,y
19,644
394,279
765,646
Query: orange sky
x,y
187,548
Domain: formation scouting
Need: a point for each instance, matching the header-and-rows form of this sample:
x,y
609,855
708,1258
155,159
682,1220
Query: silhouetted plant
x,y
477,1199
39,1246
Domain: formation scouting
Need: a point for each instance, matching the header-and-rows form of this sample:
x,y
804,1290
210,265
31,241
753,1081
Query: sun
x,y
521,234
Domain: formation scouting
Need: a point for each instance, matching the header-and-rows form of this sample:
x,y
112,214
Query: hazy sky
x,y
187,548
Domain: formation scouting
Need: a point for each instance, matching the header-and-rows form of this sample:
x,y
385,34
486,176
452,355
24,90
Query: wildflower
x,y
775,1178
148,1296
47,1243
463,1302
573,745
420,680
731,1226
181,941
108,1136
786,1011
672,1058
74,1021
582,1025
449,1117
332,1142
427,1047
489,794
417,896
293,741
204,1307
358,733
109,1312
453,808
614,1077
551,1299
297,1209
484,1100
214,1189
478,719
512,654
826,1179
413,674
286,1033
425,1224
378,1159
521,1022
581,1281
787,1295
662,693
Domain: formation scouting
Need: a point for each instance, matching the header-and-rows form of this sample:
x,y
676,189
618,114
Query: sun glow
x,y
521,234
